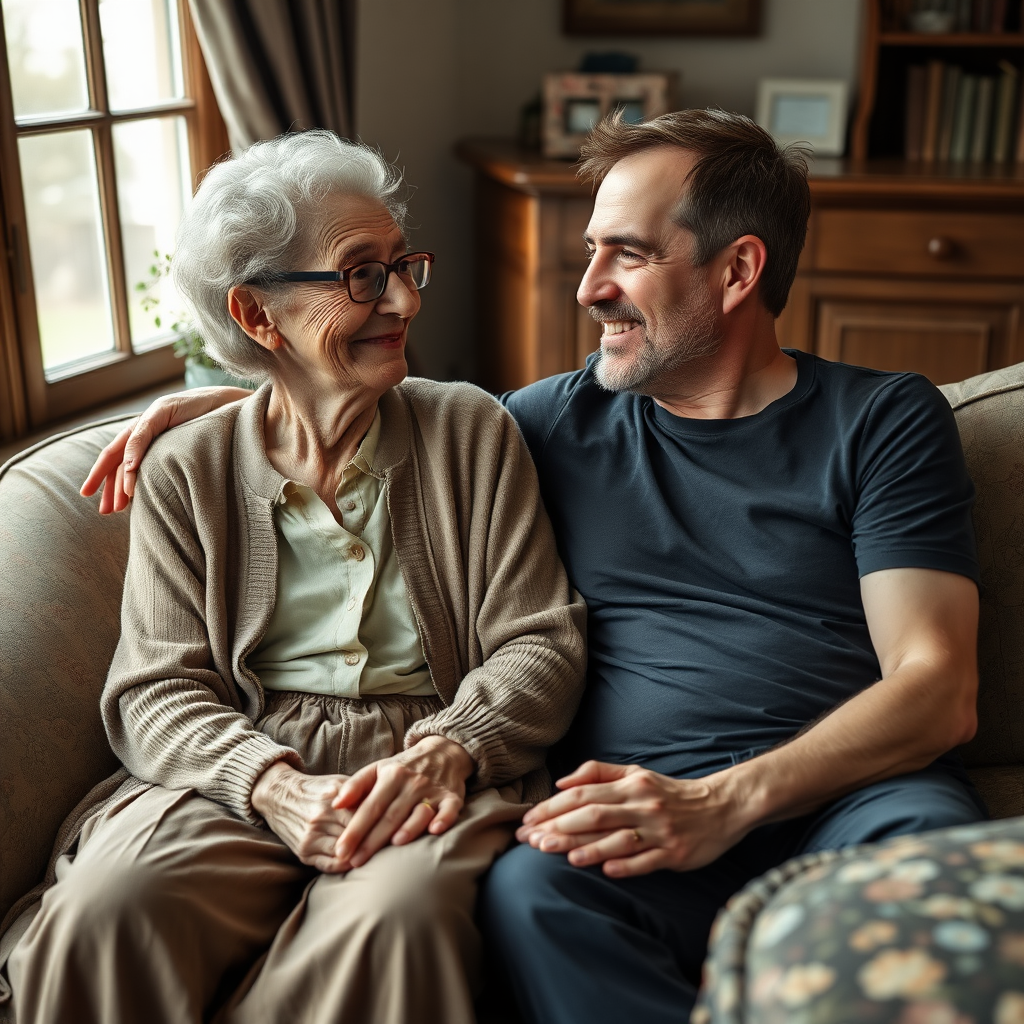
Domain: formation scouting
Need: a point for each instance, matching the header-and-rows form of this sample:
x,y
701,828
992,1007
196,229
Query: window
x,y
106,120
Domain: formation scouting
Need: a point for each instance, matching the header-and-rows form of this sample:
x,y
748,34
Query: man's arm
x,y
923,624
117,466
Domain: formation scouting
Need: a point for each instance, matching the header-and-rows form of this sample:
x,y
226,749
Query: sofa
x,y
61,573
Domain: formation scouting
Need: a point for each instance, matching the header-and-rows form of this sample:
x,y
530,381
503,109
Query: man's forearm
x,y
899,725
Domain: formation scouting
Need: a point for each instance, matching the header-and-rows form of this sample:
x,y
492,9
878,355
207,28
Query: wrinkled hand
x,y
116,468
300,810
398,798
682,824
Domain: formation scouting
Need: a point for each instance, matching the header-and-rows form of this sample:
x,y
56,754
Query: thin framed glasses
x,y
366,282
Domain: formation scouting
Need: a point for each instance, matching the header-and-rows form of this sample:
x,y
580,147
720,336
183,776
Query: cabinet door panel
x,y
945,342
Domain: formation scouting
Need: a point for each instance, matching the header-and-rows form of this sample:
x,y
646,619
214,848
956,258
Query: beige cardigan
x,y
501,628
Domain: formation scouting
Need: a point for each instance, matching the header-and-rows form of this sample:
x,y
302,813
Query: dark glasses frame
x,y
339,276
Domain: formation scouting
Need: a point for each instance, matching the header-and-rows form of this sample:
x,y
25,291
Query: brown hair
x,y
741,184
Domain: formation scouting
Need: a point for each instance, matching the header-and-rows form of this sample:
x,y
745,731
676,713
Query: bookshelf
x,y
890,51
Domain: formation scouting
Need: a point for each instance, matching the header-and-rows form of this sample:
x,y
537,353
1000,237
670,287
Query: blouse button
x,y
348,506
351,658
357,552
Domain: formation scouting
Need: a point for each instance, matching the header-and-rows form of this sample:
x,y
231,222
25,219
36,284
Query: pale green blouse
x,y
342,623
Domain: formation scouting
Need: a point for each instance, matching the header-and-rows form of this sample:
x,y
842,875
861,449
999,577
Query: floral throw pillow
x,y
924,929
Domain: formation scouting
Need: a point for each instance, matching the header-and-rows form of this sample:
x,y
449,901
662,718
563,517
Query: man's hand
x,y
116,468
398,798
924,626
634,821
300,810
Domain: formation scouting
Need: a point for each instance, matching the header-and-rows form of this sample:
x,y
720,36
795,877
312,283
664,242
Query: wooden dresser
x,y
905,268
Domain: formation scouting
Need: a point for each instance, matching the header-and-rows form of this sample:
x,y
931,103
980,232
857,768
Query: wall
x,y
433,71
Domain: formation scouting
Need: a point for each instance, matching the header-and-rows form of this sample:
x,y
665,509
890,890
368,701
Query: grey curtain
x,y
278,65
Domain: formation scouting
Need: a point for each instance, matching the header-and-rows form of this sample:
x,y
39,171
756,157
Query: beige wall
x,y
433,71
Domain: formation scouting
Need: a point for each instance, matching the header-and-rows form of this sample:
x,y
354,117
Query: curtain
x,y
278,65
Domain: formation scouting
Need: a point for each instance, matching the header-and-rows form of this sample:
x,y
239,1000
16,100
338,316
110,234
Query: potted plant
x,y
201,370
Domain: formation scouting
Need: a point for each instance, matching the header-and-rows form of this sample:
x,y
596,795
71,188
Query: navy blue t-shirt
x,y
720,559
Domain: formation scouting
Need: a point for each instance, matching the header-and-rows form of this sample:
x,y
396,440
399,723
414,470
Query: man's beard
x,y
695,329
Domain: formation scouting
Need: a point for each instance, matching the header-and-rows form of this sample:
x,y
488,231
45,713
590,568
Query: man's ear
x,y
745,261
247,309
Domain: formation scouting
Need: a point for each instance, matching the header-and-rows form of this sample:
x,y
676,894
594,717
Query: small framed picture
x,y
575,102
806,110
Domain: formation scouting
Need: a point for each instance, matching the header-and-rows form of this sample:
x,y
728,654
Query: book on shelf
x,y
997,20
950,86
982,135
1003,119
1020,126
963,123
932,110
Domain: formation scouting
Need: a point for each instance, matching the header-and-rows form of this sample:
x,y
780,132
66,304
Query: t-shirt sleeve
x,y
537,406
915,495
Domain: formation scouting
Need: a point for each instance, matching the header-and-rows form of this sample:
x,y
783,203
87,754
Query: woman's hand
x,y
421,789
300,810
118,463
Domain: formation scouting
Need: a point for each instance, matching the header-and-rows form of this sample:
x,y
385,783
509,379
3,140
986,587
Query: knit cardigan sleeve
x,y
521,628
172,712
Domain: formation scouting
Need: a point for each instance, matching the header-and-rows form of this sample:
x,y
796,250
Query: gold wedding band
x,y
636,835
427,803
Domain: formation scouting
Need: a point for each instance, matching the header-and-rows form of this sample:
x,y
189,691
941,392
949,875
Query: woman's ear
x,y
247,309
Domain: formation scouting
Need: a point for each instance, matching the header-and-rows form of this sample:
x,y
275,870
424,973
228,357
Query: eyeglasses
x,y
366,282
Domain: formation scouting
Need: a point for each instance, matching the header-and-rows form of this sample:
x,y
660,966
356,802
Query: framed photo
x,y
575,102
804,110
662,17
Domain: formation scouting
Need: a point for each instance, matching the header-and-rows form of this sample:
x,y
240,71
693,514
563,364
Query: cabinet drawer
x,y
920,243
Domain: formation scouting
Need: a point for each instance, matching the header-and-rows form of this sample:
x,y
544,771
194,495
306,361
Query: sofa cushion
x,y
61,575
990,414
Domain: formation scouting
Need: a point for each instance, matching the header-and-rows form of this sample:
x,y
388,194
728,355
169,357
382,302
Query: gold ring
x,y
427,803
636,835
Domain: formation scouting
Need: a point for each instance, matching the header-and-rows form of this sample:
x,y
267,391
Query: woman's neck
x,y
311,437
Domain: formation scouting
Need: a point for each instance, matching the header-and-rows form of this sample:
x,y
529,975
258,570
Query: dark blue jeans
x,y
577,946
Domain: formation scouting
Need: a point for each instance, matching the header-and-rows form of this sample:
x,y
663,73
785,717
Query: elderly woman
x,y
343,612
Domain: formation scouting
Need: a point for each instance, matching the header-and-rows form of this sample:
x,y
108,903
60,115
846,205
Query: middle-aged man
x,y
777,557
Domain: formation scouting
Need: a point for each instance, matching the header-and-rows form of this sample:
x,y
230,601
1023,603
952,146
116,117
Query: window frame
x,y
31,399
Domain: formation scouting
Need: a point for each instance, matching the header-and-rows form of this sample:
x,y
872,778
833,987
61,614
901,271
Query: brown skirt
x,y
172,909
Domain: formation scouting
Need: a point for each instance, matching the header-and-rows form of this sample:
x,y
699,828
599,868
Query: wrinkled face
x,y
656,308
327,337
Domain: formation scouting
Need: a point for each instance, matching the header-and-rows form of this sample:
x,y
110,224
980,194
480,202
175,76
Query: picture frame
x,y
574,102
662,17
806,110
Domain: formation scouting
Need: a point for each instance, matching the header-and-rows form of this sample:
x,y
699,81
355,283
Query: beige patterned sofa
x,y
61,570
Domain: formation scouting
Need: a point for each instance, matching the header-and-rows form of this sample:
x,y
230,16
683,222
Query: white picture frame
x,y
808,110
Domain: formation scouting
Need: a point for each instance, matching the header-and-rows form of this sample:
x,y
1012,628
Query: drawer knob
x,y
941,248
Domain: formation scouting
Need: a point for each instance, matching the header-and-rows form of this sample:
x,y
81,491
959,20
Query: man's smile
x,y
617,327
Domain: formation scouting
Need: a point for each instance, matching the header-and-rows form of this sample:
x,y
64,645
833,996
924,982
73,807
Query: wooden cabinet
x,y
912,270
904,268
529,261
